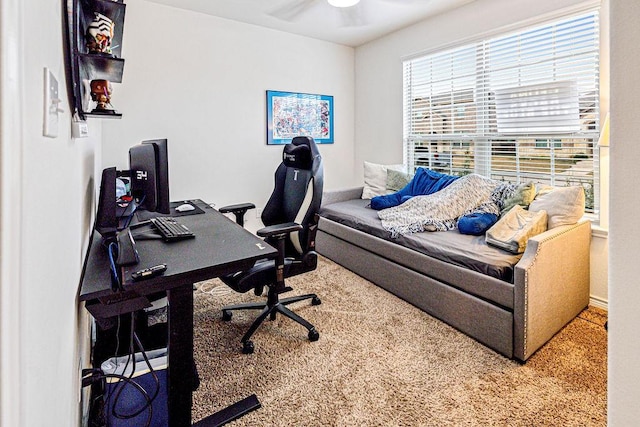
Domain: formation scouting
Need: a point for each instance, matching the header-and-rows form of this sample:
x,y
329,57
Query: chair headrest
x,y
298,154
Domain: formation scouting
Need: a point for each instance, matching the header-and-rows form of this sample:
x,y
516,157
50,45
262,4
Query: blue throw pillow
x,y
424,182
476,223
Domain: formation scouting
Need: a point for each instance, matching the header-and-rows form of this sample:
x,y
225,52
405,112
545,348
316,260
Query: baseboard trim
x,y
599,303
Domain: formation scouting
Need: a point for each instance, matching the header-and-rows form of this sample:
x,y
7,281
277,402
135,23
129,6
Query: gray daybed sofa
x,y
511,303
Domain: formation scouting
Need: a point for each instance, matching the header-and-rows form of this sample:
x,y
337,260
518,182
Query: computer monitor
x,y
114,209
149,174
162,174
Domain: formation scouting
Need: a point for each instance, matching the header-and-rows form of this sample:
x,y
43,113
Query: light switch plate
x,y
79,129
51,105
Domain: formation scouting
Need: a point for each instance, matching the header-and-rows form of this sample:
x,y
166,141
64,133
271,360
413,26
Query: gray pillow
x,y
397,180
523,196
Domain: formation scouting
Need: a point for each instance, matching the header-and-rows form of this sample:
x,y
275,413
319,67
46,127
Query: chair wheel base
x,y
313,335
247,347
315,301
226,315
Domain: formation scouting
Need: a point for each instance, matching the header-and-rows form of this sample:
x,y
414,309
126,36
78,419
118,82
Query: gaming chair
x,y
290,219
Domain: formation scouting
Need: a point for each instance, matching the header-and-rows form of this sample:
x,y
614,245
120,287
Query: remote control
x,y
149,272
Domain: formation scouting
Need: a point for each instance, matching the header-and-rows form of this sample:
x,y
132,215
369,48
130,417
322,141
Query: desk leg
x,y
180,355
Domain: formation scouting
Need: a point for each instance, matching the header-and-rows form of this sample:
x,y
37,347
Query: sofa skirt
x,y
490,324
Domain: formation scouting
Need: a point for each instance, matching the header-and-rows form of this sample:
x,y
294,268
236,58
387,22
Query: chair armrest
x,y
238,210
279,229
238,207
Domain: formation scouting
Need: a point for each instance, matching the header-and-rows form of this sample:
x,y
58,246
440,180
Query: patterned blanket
x,y
439,211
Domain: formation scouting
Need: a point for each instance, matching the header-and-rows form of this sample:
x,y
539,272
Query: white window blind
x,y
520,107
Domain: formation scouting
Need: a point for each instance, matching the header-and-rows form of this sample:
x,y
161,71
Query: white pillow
x,y
375,179
564,205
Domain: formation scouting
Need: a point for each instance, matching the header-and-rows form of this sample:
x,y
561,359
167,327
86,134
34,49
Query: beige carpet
x,y
382,362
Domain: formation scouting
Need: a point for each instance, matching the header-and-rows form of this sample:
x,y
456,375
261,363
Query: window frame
x,y
426,150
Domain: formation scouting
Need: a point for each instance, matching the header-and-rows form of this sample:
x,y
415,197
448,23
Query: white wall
x,y
379,84
201,82
624,237
56,187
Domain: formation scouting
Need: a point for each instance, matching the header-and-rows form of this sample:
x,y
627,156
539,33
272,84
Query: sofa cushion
x,y
514,228
470,252
564,205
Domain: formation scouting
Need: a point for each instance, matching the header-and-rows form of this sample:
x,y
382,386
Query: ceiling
x,y
353,26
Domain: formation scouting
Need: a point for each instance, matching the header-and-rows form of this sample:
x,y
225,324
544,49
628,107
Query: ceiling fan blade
x,y
290,10
353,16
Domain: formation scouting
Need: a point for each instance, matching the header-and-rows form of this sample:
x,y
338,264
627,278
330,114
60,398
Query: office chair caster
x,y
313,335
226,315
315,301
247,347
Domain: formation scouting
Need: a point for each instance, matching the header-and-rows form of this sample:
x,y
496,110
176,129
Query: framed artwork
x,y
291,114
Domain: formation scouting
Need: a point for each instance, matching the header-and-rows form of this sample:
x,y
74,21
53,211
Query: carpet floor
x,y
382,362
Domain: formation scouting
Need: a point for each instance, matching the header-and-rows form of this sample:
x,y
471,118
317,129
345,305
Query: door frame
x,y
11,148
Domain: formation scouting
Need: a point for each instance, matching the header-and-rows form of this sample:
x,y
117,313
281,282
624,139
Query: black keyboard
x,y
170,229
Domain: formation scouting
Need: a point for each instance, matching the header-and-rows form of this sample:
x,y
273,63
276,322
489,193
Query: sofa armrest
x,y
341,195
552,281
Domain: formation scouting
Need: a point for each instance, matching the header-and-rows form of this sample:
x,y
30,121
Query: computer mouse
x,y
185,208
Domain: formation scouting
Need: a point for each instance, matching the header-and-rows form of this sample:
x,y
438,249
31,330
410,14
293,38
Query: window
x,y
519,107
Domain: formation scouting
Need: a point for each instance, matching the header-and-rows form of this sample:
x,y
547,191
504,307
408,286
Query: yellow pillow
x,y
514,229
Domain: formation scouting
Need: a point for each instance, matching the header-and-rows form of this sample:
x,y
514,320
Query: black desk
x,y
220,247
